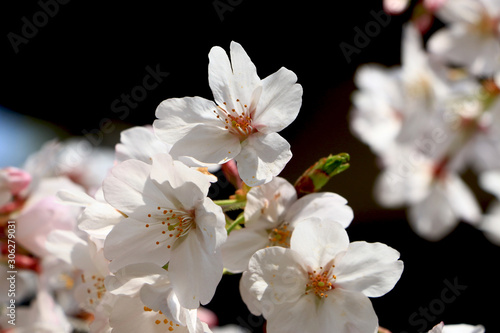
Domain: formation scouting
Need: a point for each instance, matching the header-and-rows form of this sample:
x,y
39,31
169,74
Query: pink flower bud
x,y
17,180
231,173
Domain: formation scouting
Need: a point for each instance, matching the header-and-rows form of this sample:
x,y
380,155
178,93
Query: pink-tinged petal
x,y
194,271
140,244
319,241
326,206
370,268
207,144
240,246
39,220
139,143
270,201
232,81
279,102
262,157
275,276
177,116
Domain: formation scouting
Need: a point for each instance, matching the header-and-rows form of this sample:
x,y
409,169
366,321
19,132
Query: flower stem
x,y
239,220
230,204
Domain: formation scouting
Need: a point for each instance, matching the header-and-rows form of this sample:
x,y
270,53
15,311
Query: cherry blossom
x,y
243,122
321,283
169,220
271,214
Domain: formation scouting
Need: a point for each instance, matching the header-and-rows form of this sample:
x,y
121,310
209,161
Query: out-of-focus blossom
x,y
395,7
43,315
471,36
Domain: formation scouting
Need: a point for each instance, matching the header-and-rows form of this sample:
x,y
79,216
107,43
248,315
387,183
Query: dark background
x,y
78,62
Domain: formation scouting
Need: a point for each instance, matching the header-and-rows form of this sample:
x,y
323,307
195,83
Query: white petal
x,y
64,244
490,181
462,200
240,246
130,279
325,206
275,276
463,328
194,271
370,268
279,102
233,80
139,143
432,218
490,224
269,201
345,312
207,144
129,187
319,241
141,245
262,157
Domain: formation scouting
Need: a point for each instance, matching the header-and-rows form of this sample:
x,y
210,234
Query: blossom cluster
x,y
143,247
128,240
436,116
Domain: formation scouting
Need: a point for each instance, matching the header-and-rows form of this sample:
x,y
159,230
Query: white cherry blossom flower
x,y
471,37
271,214
321,283
169,220
243,122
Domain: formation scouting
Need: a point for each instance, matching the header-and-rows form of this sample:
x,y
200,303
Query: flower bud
x,y
314,178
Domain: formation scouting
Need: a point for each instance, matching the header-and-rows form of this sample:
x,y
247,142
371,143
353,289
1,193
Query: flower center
x,y
161,319
320,283
237,120
280,236
171,224
95,289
